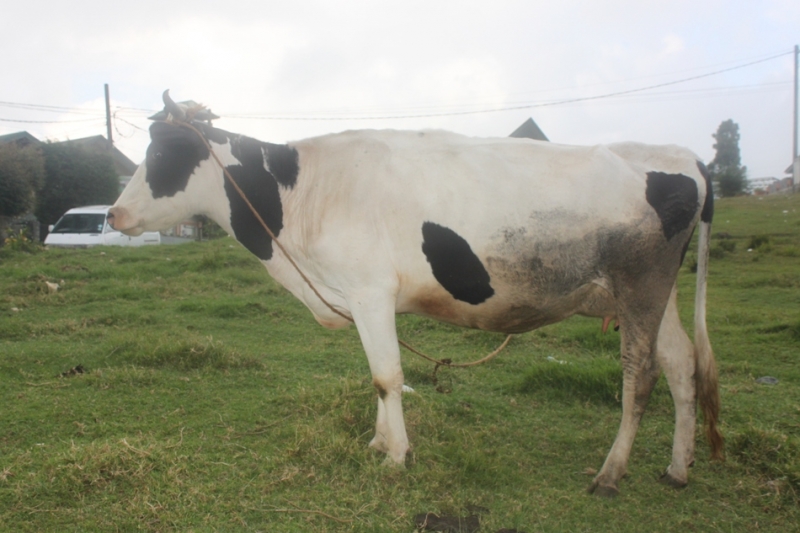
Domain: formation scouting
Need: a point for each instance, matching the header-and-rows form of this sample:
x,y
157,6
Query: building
x,y
760,186
529,130
794,173
20,138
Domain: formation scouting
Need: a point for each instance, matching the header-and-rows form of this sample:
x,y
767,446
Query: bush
x,y
21,243
74,177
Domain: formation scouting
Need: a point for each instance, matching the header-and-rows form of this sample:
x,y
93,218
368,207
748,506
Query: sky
x,y
282,71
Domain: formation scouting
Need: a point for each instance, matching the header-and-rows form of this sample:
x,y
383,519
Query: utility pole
x,y
111,141
795,161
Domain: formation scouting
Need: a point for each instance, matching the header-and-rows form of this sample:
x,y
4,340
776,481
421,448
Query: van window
x,y
80,223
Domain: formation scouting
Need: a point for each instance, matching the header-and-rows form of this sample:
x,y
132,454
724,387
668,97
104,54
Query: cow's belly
x,y
511,310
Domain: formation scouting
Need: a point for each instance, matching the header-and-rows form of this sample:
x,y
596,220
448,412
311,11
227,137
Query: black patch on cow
x,y
708,206
261,189
173,155
674,197
213,134
455,266
282,161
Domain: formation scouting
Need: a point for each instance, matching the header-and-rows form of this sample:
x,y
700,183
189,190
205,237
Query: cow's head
x,y
180,178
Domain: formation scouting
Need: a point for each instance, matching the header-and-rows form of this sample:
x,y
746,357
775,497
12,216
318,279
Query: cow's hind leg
x,y
639,375
375,319
676,357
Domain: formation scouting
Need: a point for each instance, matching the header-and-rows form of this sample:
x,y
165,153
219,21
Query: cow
x,y
504,235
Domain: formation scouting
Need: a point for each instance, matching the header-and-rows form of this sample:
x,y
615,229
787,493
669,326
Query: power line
x,y
391,115
511,107
50,108
48,121
661,75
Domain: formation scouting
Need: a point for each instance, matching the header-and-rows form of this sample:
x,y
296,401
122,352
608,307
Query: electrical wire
x,y
389,115
47,121
515,107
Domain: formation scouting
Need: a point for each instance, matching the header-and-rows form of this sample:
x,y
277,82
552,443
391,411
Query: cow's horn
x,y
172,108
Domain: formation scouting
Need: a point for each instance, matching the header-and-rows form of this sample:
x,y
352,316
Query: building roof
x,y
529,130
790,168
21,138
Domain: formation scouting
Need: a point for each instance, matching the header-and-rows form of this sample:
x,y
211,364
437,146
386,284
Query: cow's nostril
x,y
110,218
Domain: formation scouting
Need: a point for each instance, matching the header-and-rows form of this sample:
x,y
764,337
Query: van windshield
x,y
80,223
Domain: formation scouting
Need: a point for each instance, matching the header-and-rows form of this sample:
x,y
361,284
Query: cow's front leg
x,y
375,319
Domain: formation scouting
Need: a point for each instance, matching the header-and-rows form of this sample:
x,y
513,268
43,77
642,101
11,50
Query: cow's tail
x,y
706,377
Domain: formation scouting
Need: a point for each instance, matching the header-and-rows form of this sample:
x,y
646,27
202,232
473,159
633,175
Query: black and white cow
x,y
504,235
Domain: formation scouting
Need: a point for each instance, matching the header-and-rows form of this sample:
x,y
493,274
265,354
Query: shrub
x,y
21,243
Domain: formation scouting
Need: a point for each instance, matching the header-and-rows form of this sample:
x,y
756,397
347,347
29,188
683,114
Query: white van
x,y
82,227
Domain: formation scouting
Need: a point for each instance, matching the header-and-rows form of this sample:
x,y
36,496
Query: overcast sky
x,y
272,70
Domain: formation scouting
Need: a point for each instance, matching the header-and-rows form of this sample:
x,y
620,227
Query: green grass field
x,y
212,401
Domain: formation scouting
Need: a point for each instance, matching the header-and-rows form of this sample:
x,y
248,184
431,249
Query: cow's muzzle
x,y
119,219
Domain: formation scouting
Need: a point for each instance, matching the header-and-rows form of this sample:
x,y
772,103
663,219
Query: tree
x,y
74,177
21,176
726,169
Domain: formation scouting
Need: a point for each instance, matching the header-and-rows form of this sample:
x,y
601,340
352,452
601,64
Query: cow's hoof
x,y
671,481
391,463
379,443
604,491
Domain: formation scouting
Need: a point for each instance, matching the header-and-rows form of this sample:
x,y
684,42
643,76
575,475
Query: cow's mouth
x,y
133,232
119,219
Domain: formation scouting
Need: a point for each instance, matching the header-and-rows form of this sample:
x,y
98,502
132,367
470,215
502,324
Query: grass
x,y
212,401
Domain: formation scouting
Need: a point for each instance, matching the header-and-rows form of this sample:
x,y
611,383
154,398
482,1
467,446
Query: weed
x,y
20,242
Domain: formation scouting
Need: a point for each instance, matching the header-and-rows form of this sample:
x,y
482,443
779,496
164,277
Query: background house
x,y
20,138
529,130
